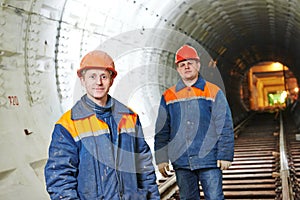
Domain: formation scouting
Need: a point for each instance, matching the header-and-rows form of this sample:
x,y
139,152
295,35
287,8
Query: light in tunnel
x,y
276,66
283,97
270,84
278,98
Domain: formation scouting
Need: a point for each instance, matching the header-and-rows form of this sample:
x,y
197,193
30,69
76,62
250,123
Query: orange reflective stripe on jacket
x,y
188,93
127,123
91,126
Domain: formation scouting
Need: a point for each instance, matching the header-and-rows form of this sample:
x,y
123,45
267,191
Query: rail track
x,y
257,171
293,155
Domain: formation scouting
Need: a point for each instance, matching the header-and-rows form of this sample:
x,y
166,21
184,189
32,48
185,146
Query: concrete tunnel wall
x,y
42,41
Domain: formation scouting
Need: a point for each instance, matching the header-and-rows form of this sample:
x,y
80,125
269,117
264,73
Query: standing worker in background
x,y
98,149
194,131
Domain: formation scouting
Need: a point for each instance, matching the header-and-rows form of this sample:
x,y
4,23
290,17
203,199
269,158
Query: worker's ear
x,y
81,80
111,81
82,83
198,65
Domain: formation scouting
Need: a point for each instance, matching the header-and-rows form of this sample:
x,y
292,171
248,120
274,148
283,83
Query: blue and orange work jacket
x,y
194,127
100,153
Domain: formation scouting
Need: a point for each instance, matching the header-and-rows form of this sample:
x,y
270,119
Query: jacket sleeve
x,y
162,133
145,170
224,127
61,167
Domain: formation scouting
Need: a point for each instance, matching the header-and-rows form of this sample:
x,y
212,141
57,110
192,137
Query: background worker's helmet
x,y
186,52
97,59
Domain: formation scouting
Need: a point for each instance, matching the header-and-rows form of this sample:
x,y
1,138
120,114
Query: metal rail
x,y
284,167
238,128
168,187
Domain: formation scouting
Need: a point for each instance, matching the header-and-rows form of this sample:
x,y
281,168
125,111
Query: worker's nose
x,y
99,80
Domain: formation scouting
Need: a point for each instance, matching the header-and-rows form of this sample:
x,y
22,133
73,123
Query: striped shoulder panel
x,y
82,128
127,123
68,123
212,89
189,93
170,95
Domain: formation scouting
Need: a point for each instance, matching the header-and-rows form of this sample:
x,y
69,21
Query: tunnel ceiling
x,y
240,33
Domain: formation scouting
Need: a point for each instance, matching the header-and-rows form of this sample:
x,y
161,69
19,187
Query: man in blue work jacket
x,y
98,149
194,131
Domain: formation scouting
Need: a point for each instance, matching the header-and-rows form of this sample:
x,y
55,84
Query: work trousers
x,y
210,179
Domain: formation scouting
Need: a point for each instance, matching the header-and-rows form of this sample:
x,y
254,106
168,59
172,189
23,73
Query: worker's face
x,y
188,70
97,83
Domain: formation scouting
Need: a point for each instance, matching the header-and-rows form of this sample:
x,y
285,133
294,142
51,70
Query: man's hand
x,y
163,168
223,164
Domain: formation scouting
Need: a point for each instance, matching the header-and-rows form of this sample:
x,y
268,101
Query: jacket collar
x,y
200,83
85,108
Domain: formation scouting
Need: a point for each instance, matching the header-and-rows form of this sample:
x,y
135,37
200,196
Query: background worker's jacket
x,y
194,126
100,153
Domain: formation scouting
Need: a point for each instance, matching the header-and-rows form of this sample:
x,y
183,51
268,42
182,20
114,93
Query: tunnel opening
x,y
268,86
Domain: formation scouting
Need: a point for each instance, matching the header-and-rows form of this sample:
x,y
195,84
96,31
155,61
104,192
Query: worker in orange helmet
x,y
194,131
98,149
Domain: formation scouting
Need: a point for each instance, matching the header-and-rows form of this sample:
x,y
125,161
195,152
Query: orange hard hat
x,y
186,52
97,59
